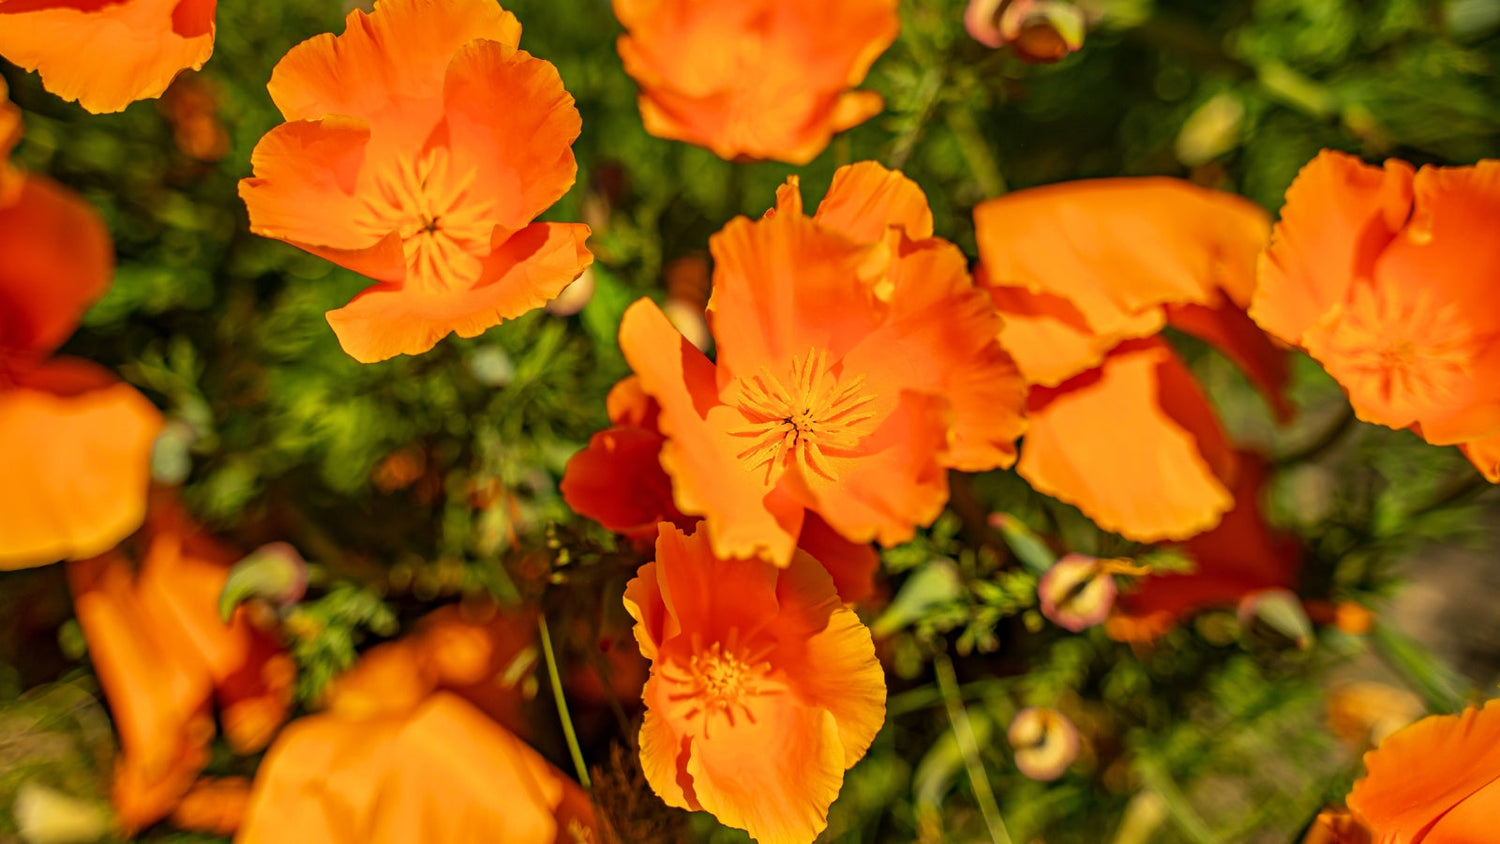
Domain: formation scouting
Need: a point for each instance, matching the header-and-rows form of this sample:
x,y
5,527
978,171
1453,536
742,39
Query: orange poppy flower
x,y
439,772
75,441
162,655
756,79
1375,272
764,689
618,481
856,364
1240,557
106,54
418,148
1084,274
1435,781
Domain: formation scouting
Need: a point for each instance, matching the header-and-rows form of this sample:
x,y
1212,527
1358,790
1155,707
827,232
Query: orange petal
x,y
460,777
1239,557
1408,349
743,517
58,260
1142,395
644,602
664,762
1421,772
1047,335
618,482
852,565
388,66
628,405
509,118
76,445
107,55
1471,820
527,270
866,198
1339,215
779,797
213,805
894,482
178,588
1229,329
476,654
939,337
776,283
830,656
319,781
158,694
1119,248
754,79
707,595
306,190
389,679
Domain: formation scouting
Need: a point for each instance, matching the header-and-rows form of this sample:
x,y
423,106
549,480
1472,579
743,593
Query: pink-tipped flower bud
x,y
1045,742
1039,31
1077,592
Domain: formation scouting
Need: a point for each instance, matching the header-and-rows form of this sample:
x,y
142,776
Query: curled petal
x,y
1145,396
866,198
508,116
1339,215
1117,250
158,692
107,55
763,79
387,67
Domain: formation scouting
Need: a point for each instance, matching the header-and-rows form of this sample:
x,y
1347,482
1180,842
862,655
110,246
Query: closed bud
x,y
1039,31
274,572
1045,742
1077,592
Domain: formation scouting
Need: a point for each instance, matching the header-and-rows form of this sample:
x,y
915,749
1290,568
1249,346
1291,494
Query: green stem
x,y
1154,774
963,731
926,101
574,749
975,151
919,699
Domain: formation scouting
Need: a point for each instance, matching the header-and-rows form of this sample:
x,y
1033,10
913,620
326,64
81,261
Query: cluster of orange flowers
x,y
858,362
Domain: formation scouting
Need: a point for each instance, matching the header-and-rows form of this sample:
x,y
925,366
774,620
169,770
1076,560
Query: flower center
x,y
1412,352
802,418
722,679
445,232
